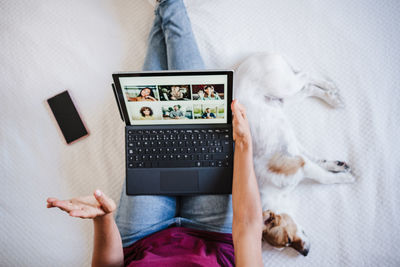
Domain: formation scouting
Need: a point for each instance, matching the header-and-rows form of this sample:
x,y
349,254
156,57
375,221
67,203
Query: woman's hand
x,y
88,207
241,130
150,98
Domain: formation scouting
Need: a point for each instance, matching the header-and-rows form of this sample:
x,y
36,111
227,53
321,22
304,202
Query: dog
x,y
264,83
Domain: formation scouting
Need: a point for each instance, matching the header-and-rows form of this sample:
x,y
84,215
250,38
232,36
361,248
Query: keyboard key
x,y
220,156
175,164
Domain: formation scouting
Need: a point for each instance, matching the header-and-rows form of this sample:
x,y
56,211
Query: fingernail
x,y
98,192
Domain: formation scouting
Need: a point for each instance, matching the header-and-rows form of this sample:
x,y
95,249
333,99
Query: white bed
x,y
49,46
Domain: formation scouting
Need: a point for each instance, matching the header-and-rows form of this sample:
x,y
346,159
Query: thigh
x,y
208,212
139,216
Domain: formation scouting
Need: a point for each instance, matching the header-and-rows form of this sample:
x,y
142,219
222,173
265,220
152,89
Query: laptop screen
x,y
176,99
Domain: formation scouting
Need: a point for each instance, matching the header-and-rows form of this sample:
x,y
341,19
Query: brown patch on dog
x,y
285,164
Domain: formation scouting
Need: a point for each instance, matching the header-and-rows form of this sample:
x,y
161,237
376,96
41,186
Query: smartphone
x,y
67,117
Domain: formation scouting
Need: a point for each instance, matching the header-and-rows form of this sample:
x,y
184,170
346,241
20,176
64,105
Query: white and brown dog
x,y
263,84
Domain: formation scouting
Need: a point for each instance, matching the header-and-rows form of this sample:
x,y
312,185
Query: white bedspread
x,y
50,46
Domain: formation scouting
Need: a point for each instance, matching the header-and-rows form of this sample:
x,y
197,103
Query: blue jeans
x,y
172,46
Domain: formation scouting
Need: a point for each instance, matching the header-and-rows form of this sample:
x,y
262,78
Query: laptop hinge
x,y
119,105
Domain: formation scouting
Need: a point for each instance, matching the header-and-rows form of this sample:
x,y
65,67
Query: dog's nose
x,y
304,252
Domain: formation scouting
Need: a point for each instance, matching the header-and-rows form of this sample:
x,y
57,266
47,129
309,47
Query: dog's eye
x,y
270,219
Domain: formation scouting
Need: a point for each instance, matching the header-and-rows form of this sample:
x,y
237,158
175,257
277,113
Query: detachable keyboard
x,y
174,148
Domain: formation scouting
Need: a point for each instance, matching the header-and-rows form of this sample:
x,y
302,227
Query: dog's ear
x,y
268,217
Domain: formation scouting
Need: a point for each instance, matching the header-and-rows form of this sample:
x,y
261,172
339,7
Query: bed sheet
x,y
49,46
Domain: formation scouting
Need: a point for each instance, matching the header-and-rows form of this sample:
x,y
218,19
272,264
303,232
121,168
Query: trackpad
x,y
179,181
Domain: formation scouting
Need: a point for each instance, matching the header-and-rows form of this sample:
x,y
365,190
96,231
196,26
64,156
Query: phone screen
x,y
67,117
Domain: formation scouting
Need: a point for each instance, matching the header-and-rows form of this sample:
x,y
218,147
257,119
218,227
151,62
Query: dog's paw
x,y
345,177
335,166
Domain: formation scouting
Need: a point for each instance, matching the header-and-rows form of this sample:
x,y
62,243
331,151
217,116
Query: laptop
x,y
178,132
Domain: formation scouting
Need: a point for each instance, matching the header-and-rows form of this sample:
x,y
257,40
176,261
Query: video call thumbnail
x,y
208,111
141,93
177,111
208,92
174,92
148,111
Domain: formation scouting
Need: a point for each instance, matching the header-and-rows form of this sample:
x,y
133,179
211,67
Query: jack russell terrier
x,y
263,84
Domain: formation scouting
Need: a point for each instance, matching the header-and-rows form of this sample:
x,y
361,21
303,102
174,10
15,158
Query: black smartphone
x,y
67,117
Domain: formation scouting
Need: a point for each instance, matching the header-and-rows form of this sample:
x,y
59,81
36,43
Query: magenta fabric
x,y
180,246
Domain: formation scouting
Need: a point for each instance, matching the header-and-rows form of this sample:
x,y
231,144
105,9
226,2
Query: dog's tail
x,y
285,164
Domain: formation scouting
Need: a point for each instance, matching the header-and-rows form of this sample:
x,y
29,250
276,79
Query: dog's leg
x,y
334,166
317,87
325,90
329,165
328,172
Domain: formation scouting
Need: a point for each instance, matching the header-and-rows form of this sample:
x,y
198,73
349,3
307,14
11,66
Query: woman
x,y
146,94
144,231
147,113
210,93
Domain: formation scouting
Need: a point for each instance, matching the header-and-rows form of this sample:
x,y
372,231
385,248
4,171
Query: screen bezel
x,y
118,88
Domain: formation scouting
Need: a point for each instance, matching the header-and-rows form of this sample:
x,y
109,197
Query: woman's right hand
x,y
87,207
241,129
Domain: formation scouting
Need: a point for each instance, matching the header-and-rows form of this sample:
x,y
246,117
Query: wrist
x,y
107,218
243,144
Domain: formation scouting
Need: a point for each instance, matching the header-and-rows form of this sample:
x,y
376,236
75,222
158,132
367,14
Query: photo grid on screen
x,y
186,101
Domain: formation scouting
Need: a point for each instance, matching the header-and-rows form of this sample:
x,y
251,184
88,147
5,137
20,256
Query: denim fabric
x,y
171,45
140,216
